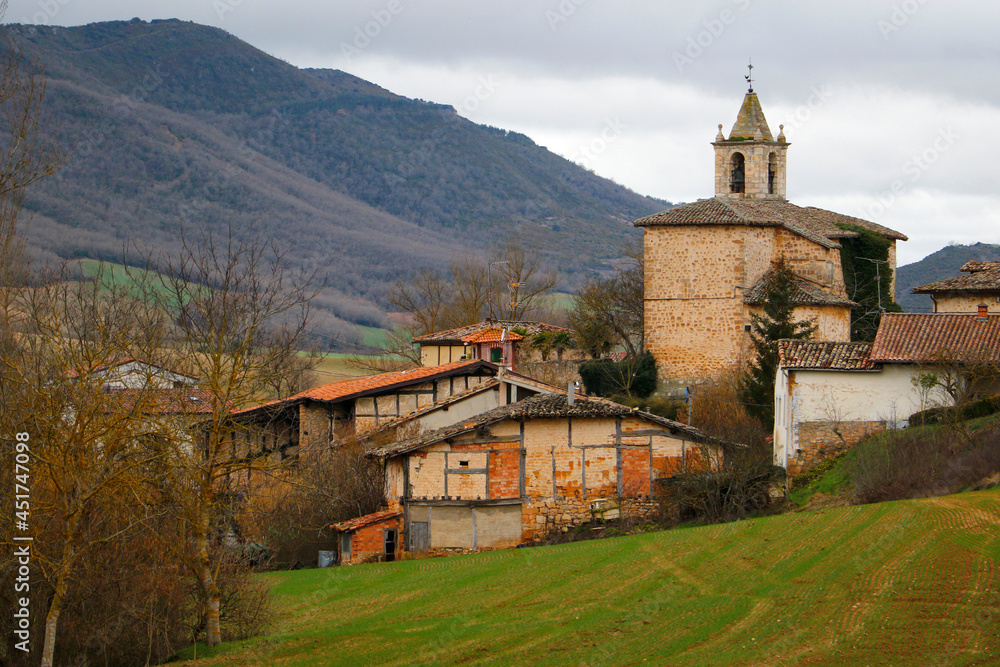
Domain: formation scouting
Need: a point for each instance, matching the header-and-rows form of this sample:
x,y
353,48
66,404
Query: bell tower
x,y
750,164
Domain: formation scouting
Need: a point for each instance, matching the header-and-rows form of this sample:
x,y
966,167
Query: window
x,y
496,355
772,173
737,176
463,464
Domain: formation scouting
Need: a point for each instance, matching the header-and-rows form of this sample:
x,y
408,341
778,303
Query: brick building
x,y
496,341
704,261
520,471
371,538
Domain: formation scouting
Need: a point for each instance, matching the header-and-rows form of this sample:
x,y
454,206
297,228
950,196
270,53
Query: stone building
x,y
977,292
705,261
520,471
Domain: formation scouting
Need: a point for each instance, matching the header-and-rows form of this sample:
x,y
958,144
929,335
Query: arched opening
x,y
737,173
772,173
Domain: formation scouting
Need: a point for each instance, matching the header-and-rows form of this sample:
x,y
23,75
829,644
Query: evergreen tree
x,y
776,323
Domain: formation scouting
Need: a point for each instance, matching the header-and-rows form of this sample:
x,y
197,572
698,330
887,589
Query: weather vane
x,y
749,77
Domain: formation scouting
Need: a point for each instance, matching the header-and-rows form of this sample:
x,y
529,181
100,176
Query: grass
x,y
117,275
912,582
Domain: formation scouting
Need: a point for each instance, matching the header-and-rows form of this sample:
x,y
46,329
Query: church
x,y
705,262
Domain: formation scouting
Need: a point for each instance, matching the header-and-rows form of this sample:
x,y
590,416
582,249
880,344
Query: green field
x,y
906,583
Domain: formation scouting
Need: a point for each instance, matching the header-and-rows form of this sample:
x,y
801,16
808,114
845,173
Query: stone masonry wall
x,y
818,440
694,282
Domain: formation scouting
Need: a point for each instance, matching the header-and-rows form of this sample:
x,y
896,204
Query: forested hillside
x,y
169,126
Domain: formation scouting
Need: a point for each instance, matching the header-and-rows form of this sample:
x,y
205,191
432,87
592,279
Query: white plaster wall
x,y
888,395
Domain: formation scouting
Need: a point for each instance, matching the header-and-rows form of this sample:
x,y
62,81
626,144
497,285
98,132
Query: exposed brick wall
x,y
368,543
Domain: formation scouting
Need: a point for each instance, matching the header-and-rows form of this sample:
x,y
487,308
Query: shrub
x,y
631,377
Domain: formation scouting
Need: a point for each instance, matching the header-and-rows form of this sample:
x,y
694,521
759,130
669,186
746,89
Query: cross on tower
x,y
749,77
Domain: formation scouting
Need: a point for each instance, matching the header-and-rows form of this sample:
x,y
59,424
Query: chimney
x,y
983,312
571,393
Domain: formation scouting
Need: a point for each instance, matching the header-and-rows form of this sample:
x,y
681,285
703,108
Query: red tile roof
x,y
346,389
824,355
184,400
458,334
366,520
492,335
972,266
937,337
815,224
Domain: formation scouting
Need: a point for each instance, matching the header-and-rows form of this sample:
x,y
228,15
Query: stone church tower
x,y
750,164
705,262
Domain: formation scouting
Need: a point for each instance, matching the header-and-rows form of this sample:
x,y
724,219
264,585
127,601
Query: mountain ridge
x,y
170,125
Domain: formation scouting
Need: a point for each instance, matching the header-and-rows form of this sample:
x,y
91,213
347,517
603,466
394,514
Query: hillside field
x,y
905,583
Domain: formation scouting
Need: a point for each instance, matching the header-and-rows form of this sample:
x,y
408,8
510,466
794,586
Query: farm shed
x,y
373,537
520,471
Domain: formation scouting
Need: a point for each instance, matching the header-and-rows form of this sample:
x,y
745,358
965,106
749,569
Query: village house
x,y
329,412
520,471
705,262
828,394
132,373
978,292
504,343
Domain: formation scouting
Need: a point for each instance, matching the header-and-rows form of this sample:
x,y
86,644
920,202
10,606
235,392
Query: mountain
x,y
169,125
945,263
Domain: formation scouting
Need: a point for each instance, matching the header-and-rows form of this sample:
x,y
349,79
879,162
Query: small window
x,y
463,464
737,175
772,173
496,355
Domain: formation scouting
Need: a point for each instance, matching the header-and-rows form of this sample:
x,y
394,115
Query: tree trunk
x,y
55,607
213,598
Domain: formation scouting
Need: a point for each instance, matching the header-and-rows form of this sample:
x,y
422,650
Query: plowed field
x,y
905,583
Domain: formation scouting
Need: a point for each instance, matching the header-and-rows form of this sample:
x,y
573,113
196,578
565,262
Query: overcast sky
x,y
892,108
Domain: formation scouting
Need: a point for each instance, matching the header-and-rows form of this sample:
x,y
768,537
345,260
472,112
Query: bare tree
x,y
238,313
90,445
507,286
609,311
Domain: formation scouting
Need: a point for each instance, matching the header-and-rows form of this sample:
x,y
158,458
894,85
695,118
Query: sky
x,y
892,107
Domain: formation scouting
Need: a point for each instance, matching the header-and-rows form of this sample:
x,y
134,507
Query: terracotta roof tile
x,y
937,337
459,333
537,407
806,294
972,266
366,520
184,400
816,224
824,355
492,335
345,389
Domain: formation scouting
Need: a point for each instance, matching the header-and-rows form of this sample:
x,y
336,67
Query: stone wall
x,y
695,277
821,439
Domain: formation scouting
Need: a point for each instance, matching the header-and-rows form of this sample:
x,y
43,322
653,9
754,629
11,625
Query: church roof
x,y
749,120
815,224
806,293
